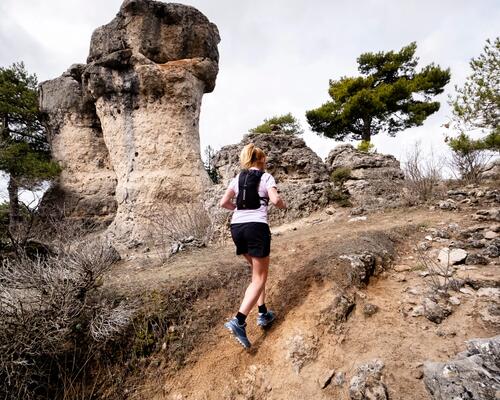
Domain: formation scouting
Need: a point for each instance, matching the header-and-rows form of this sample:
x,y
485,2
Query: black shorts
x,y
253,238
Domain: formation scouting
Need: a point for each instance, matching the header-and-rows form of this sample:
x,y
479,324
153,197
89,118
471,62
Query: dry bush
x,y
440,281
18,237
57,229
386,187
469,166
423,175
176,229
53,320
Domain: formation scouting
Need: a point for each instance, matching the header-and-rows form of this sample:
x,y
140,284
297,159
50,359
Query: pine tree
x,y
389,96
477,103
24,149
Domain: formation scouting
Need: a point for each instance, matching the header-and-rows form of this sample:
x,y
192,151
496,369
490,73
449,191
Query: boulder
x,y
139,96
300,349
364,165
451,256
448,204
476,259
375,179
433,311
362,267
473,374
490,235
326,378
370,309
337,312
489,214
492,171
492,251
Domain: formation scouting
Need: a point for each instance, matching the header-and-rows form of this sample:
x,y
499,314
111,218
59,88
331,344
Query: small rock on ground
x,y
326,378
366,384
370,309
451,256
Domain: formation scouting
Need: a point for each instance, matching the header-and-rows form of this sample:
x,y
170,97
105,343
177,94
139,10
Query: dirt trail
x,y
290,241
305,278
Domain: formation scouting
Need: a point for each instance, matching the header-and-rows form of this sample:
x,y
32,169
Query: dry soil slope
x,y
307,274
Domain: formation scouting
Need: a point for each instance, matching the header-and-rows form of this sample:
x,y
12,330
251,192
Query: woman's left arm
x,y
226,201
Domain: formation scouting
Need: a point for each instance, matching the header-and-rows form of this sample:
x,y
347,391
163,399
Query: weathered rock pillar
x,y
146,74
87,183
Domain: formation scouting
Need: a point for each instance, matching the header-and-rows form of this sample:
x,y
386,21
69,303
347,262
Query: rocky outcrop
x,y
288,158
474,374
301,175
125,125
375,180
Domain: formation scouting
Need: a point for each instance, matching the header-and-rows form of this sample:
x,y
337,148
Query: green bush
x,y
341,175
366,146
285,123
339,197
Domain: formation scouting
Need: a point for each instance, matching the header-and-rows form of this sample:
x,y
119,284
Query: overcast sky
x,y
276,56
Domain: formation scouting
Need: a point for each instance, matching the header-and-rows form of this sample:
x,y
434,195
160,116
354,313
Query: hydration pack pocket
x,y
248,190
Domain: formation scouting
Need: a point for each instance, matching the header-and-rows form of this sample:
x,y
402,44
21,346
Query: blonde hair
x,y
250,156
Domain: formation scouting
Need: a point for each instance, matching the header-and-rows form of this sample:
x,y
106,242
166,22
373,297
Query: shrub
x,y
338,196
366,146
54,319
341,175
469,157
440,281
423,175
285,123
175,229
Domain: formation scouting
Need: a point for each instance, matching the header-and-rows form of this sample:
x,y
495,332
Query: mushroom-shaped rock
x,y
146,74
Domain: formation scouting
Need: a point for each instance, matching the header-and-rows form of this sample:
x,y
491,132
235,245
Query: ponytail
x,y
250,156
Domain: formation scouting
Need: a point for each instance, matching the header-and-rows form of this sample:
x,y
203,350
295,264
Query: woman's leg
x,y
248,257
262,297
256,290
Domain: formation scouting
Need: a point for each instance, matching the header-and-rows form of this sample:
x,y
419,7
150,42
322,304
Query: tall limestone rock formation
x,y
125,125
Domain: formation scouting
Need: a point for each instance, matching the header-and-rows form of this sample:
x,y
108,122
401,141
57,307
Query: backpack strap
x,y
264,199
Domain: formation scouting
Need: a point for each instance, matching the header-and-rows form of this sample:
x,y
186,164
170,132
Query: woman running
x,y
253,188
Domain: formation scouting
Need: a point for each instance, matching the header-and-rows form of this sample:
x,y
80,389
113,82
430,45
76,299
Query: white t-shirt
x,y
260,214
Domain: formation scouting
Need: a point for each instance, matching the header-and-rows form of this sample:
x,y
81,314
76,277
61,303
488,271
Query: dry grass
x,y
423,175
182,227
172,322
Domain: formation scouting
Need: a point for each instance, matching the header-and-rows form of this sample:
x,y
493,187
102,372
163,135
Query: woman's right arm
x,y
276,198
226,201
